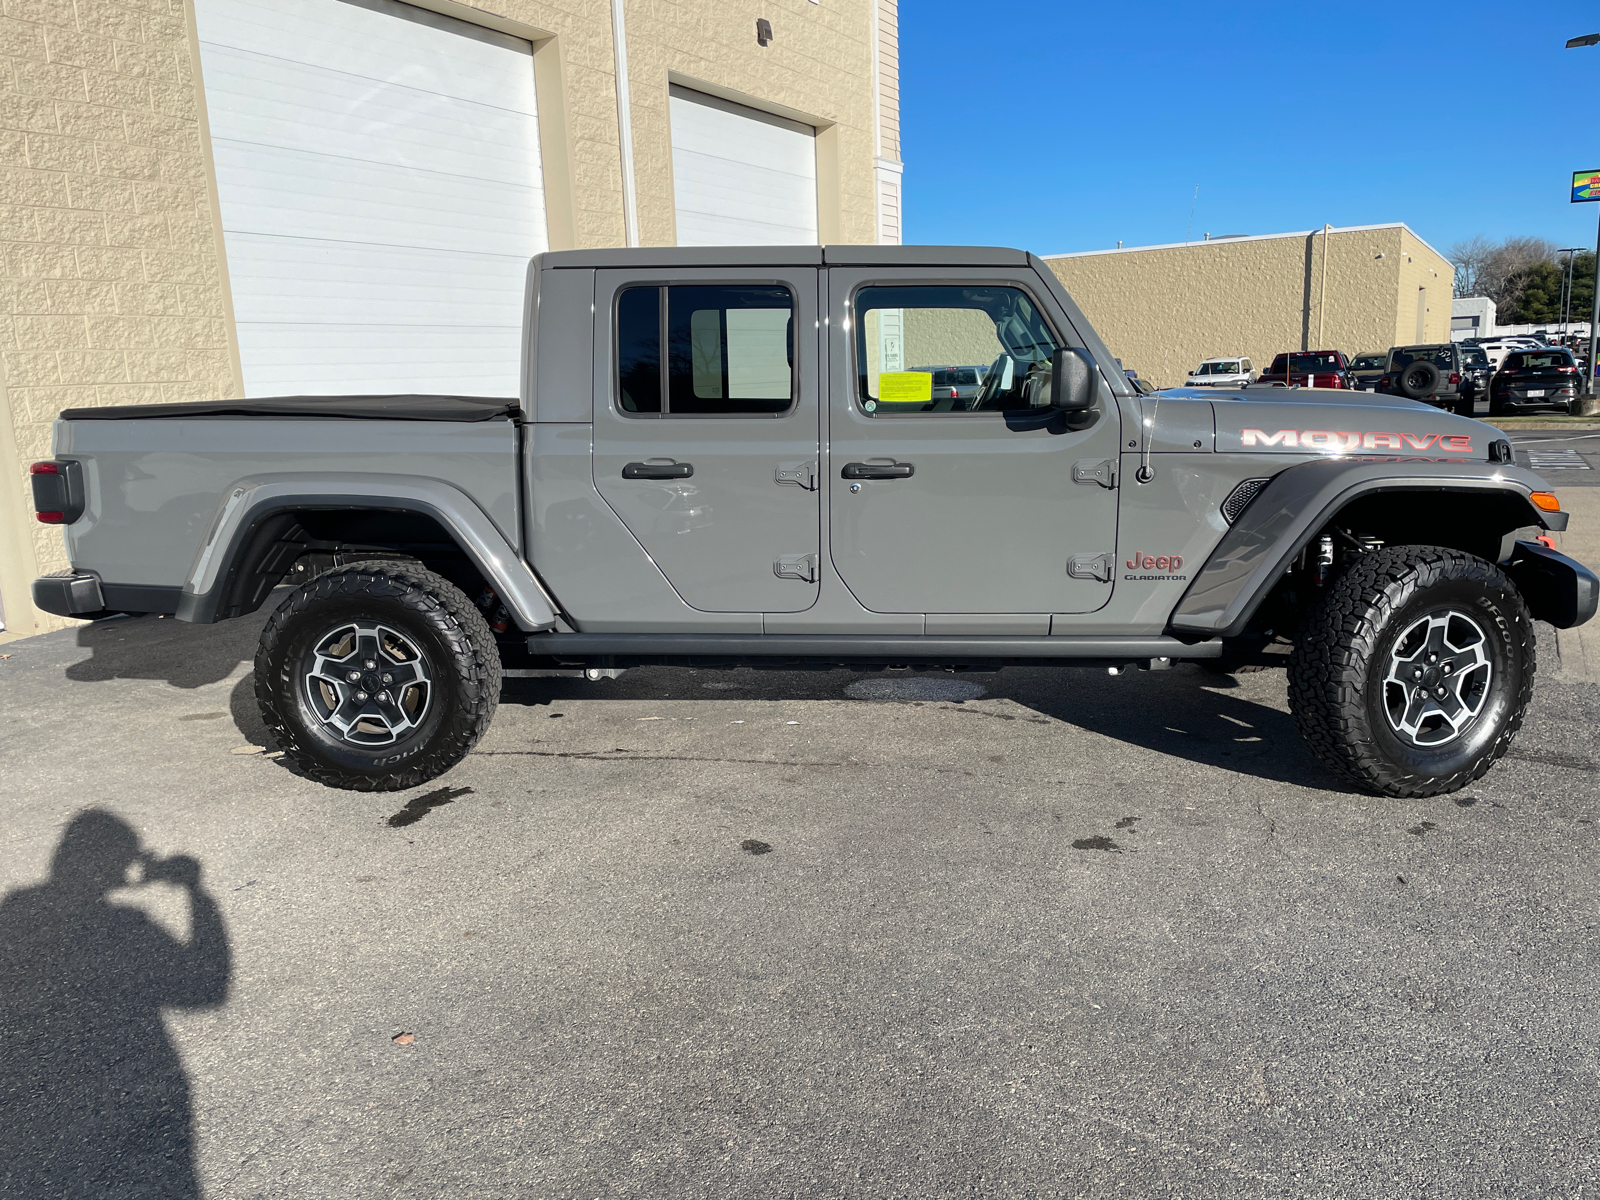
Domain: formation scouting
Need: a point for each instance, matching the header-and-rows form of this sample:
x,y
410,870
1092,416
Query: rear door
x,y
706,429
944,504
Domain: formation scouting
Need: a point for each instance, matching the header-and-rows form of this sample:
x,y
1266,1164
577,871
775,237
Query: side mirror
x,y
1072,380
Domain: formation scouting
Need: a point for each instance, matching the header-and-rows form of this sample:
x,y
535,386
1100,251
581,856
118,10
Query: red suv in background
x,y
1309,368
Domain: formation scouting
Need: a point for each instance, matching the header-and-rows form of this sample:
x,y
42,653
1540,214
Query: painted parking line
x,y
1556,460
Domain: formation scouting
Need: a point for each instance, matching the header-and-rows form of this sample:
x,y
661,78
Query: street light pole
x,y
1566,288
1594,316
1591,39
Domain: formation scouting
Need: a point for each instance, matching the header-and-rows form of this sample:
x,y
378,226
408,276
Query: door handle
x,y
658,470
873,470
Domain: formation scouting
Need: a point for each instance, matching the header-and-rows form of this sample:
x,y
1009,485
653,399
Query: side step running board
x,y
578,647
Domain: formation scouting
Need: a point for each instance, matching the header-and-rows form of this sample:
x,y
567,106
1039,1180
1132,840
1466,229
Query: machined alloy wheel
x,y
1411,674
1438,680
368,683
377,676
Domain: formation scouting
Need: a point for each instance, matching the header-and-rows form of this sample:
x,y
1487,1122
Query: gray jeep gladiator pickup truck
x,y
722,457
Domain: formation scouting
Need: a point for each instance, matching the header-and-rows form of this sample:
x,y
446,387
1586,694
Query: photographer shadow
x,y
93,1096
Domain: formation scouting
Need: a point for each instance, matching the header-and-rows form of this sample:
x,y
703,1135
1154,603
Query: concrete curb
x,y
1578,650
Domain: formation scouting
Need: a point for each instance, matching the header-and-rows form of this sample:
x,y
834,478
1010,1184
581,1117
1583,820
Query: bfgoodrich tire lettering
x,y
429,645
1342,675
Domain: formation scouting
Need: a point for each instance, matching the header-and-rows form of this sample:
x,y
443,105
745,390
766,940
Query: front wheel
x,y
377,677
1413,672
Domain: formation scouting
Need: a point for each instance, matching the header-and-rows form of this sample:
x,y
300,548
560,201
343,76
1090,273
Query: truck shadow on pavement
x,y
93,1096
1187,713
183,655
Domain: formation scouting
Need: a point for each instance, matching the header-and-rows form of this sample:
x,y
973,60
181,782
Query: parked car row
x,y
1451,375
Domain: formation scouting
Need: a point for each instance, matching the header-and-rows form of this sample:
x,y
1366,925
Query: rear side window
x,y
729,350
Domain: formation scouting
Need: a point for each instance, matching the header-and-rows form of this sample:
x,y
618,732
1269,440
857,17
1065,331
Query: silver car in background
x,y
1229,371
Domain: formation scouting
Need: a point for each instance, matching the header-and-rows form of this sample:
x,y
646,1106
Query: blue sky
x,y
1068,126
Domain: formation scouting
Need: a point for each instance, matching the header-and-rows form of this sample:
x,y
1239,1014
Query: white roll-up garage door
x,y
378,167
741,177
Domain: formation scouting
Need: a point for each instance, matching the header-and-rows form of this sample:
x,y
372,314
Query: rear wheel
x,y
1413,673
377,677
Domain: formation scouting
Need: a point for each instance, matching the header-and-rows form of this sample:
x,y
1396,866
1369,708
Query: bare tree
x,y
1468,257
1498,270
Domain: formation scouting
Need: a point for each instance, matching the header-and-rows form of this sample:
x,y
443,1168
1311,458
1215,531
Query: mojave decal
x,y
1344,441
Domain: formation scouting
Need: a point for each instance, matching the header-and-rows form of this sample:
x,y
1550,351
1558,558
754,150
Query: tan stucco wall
x,y
1164,310
1420,267
111,291
113,288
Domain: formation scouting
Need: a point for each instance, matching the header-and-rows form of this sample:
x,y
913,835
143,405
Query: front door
x,y
953,487
706,429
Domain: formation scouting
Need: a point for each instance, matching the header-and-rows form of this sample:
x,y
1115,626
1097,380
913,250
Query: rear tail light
x,y
1384,382
57,491
1455,379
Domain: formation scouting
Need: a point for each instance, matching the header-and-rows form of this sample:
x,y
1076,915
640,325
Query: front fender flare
x,y
249,501
1299,501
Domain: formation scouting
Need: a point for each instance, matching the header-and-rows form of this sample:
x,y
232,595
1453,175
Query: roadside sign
x,y
1585,186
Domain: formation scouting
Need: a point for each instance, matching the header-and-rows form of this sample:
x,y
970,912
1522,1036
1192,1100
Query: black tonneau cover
x,y
368,408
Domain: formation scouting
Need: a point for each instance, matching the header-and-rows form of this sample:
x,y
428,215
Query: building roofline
x,y
1254,237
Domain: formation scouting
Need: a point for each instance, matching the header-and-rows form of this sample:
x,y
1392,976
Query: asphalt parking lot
x,y
1567,457
1035,933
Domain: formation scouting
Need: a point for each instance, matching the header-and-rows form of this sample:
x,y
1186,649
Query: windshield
x,y
1368,362
1325,361
1474,357
1439,356
1230,367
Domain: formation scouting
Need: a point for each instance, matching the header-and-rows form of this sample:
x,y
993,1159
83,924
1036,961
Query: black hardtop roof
x,y
786,256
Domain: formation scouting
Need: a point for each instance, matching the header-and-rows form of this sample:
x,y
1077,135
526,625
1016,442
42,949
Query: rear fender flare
x,y
248,502
1282,520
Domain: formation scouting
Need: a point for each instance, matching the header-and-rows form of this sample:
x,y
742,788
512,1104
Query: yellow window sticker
x,y
905,387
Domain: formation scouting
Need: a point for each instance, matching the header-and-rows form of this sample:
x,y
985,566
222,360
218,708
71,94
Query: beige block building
x,y
1165,309
212,198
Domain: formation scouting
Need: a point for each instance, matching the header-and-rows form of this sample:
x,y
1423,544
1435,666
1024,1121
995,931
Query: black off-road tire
x,y
458,655
1337,673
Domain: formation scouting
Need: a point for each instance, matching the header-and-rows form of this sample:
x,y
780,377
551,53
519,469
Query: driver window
x,y
950,350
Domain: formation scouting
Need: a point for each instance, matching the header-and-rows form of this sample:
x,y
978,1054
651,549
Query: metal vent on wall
x,y
1240,497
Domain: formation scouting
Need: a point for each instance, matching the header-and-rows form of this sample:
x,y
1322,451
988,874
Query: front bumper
x,y
1558,589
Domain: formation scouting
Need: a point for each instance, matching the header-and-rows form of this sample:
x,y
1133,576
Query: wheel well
x,y
295,545
1476,522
